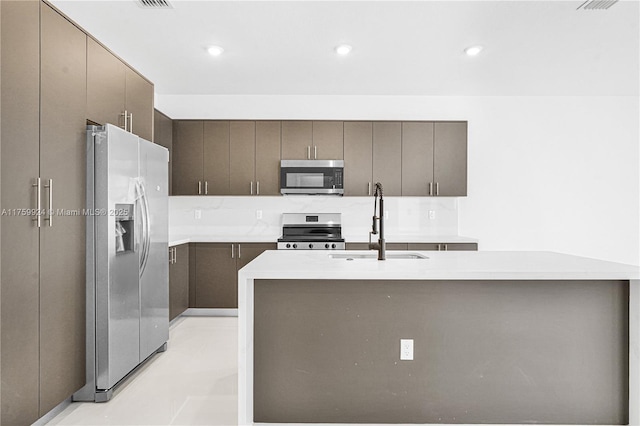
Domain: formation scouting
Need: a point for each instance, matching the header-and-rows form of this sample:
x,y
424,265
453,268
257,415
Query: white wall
x,y
545,173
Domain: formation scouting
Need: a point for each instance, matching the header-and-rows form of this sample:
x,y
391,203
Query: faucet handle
x,y
374,225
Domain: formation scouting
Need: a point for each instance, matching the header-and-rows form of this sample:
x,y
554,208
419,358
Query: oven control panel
x,y
317,245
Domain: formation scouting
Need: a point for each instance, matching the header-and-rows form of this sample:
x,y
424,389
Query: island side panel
x,y
634,352
484,351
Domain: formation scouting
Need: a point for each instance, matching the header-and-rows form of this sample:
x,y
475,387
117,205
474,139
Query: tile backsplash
x,y
237,216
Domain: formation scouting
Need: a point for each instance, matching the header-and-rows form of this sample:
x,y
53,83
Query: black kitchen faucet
x,y
378,222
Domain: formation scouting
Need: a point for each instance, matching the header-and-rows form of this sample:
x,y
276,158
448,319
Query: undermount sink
x,y
374,255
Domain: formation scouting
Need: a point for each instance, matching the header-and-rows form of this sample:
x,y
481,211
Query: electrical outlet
x,y
432,214
406,349
197,214
258,214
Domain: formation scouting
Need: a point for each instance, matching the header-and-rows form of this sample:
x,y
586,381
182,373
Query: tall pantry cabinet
x,y
42,252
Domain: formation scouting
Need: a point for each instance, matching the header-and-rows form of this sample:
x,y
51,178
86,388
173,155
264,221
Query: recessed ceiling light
x,y
215,50
343,49
473,50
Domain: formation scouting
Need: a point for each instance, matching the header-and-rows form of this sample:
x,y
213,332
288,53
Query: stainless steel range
x,y
311,231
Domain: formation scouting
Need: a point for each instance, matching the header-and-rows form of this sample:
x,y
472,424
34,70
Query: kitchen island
x,y
498,337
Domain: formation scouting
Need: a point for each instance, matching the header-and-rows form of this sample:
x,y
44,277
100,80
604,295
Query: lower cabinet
x,y
418,246
215,277
178,280
443,246
365,246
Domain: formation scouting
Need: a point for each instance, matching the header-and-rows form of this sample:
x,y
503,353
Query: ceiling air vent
x,y
154,4
597,4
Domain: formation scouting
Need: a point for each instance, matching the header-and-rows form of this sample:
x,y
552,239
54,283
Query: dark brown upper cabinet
x,y
188,151
358,157
450,158
226,157
434,158
163,135
312,140
328,140
387,156
268,157
297,140
254,157
216,179
116,94
417,158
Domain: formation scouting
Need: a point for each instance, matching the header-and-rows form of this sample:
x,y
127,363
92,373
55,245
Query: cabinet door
x,y
268,157
463,246
387,157
358,158
163,135
215,276
179,281
249,251
424,246
444,246
20,98
297,140
187,167
417,158
62,239
242,153
450,153
365,246
328,140
216,158
105,85
139,104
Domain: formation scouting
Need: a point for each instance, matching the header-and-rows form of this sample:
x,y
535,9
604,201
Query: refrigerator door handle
x,y
146,227
147,231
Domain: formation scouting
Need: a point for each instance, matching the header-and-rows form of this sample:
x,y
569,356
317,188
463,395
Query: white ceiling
x,y
399,48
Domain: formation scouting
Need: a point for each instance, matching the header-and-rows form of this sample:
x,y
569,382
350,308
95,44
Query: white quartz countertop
x,y
177,239
450,265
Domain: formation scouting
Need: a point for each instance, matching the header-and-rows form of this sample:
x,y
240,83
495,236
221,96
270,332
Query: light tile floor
x,y
195,382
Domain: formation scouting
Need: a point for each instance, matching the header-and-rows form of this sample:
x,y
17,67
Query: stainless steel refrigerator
x,y
127,246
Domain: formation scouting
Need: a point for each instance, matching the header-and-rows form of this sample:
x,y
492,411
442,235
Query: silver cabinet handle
x,y
315,152
170,255
251,187
199,187
257,187
126,117
308,153
439,247
445,247
175,255
232,252
437,188
239,252
368,188
430,188
38,187
49,217
131,122
206,187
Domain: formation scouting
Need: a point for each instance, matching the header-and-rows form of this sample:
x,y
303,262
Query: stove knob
x,y
295,246
333,246
310,246
326,246
288,245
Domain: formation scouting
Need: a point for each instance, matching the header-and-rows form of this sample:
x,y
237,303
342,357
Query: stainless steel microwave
x,y
312,177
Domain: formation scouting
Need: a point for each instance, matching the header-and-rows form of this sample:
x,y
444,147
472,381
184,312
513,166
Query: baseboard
x,y
210,312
